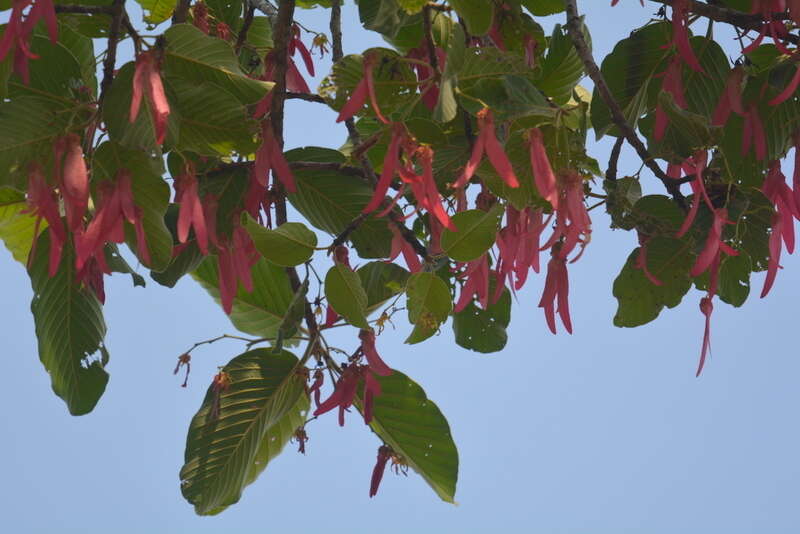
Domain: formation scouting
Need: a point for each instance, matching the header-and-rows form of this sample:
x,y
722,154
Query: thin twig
x,y
613,160
117,16
428,30
129,27
322,166
85,10
305,96
336,30
349,229
576,34
282,30
181,11
248,21
281,35
249,341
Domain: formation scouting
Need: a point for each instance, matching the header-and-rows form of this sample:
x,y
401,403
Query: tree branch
x,y
281,31
336,30
428,29
576,34
117,9
181,11
746,21
85,10
305,96
248,21
321,166
611,171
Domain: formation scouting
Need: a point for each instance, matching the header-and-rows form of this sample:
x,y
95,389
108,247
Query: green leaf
x,y
294,315
197,57
686,132
260,35
70,330
150,193
55,74
447,106
429,304
477,15
542,8
412,6
118,264
414,427
210,120
187,260
381,281
330,200
28,126
628,71
156,11
16,228
657,215
734,279
344,292
484,330
255,417
640,301
258,313
476,233
382,16
562,69
228,11
288,245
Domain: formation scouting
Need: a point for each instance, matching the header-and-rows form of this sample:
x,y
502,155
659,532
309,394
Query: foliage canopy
x,y
465,160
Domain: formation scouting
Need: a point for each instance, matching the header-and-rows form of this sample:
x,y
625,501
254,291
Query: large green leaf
x,y
55,74
344,292
16,229
255,417
381,281
476,232
562,69
330,200
210,120
484,330
150,193
69,329
446,105
258,313
544,7
199,58
640,301
157,11
382,16
28,125
415,428
702,93
628,71
288,245
477,15
429,304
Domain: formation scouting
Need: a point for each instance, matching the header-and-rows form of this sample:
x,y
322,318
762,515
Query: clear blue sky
x,y
605,431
